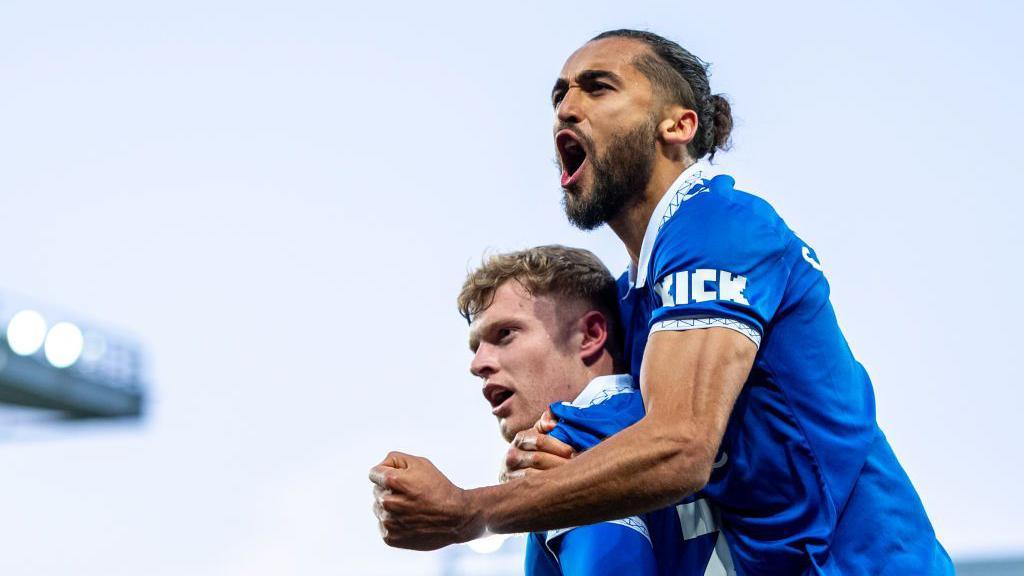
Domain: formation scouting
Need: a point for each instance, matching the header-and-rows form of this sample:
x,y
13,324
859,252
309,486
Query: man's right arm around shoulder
x,y
690,381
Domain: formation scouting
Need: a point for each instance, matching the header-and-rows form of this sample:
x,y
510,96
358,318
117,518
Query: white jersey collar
x,y
602,388
677,193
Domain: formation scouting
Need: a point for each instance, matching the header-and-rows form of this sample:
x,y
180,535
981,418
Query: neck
x,y
604,366
631,225
582,374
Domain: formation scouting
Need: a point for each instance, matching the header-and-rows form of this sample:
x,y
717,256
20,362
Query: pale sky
x,y
282,201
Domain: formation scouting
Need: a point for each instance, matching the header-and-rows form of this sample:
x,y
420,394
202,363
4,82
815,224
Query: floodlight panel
x,y
64,344
26,332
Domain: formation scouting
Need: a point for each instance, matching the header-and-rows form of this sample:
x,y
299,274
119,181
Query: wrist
x,y
479,504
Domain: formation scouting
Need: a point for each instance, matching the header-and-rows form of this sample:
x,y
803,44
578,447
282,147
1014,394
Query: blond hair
x,y
553,270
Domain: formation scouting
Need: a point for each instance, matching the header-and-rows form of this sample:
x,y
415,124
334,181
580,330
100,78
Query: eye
x,y
505,334
557,97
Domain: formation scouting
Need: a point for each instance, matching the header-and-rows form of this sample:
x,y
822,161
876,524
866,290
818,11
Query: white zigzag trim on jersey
x,y
679,324
680,191
682,194
636,523
633,523
601,397
601,389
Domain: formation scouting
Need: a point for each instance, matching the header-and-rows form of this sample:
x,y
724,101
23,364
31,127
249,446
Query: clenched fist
x,y
418,508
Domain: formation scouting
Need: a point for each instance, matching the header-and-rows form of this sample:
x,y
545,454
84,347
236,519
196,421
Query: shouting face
x,y
605,130
523,352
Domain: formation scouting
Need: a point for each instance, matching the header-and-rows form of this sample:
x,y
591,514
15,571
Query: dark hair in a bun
x,y
683,78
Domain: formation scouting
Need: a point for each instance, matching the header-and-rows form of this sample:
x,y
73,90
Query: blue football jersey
x,y
805,482
674,541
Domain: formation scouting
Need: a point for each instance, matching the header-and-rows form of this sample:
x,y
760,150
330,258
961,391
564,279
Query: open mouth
x,y
496,396
572,154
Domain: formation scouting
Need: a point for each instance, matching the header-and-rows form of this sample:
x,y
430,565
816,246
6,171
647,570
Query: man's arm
x,y
690,381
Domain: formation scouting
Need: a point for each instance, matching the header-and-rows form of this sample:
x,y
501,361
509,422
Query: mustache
x,y
588,144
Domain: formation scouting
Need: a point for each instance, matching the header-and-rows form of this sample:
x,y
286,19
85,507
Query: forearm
x,y
653,463
635,471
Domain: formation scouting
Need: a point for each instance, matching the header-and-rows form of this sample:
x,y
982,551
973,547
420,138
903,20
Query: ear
x,y
678,127
593,326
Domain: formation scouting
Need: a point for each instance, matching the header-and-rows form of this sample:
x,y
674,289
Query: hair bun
x,y
722,119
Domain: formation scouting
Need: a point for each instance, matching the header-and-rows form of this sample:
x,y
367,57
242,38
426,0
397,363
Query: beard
x,y
620,177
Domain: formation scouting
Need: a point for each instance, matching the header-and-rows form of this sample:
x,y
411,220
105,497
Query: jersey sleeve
x,y
719,262
583,427
608,548
539,561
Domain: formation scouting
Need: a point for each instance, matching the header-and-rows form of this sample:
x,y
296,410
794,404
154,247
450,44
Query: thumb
x,y
546,423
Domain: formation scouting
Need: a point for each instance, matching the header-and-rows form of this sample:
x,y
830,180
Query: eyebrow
x,y
482,330
586,76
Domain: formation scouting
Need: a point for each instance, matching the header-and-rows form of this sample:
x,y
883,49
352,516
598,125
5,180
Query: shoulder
x,y
718,224
603,409
718,210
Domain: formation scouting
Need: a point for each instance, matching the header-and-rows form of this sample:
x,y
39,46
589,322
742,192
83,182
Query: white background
x,y
283,200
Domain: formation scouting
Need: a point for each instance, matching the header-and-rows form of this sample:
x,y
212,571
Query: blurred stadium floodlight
x,y
495,555
52,362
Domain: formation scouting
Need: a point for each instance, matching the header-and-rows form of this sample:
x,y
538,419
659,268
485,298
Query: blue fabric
x,y
809,481
595,550
609,548
538,561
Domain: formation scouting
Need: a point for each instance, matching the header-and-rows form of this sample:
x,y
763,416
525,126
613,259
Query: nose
x,y
484,362
569,109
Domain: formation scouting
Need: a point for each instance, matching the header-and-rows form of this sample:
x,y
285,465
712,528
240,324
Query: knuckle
x,y
511,458
530,439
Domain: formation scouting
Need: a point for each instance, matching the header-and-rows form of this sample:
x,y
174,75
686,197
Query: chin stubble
x,y
620,176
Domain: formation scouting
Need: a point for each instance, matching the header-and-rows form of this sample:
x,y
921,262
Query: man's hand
x,y
417,507
533,450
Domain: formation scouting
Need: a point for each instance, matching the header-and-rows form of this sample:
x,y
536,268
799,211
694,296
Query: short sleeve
x,y
608,548
719,262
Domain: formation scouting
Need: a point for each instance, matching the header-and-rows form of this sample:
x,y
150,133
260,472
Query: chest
x,y
636,308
